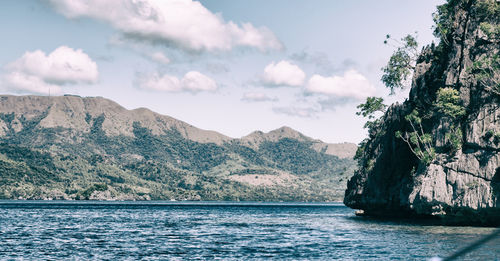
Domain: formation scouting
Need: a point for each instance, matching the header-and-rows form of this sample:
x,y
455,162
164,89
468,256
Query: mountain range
x,y
71,147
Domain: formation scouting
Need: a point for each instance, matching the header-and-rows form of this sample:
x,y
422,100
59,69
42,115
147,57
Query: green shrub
x,y
496,138
455,139
449,103
488,134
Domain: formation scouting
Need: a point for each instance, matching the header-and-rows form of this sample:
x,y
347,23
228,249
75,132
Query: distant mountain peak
x,y
257,137
77,113
71,147
341,150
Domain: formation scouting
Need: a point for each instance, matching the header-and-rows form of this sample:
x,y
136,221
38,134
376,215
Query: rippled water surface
x,y
233,231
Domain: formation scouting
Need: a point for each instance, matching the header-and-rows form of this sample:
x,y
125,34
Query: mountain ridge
x,y
96,106
71,147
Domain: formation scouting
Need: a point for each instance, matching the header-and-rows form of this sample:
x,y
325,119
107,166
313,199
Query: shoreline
x,y
13,202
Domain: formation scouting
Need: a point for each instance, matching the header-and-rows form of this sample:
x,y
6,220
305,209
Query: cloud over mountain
x,y
185,24
38,72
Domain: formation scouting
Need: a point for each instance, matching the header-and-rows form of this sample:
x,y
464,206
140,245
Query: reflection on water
x,y
179,231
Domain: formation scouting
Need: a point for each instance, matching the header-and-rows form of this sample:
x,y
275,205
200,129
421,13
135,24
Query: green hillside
x,y
39,162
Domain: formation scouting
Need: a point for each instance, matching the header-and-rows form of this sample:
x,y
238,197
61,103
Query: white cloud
x,y
37,72
283,73
31,84
159,57
192,81
351,85
257,97
185,24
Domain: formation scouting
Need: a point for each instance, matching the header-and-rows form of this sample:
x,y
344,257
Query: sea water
x,y
49,230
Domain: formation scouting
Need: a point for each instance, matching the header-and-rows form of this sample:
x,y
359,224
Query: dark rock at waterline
x,y
458,188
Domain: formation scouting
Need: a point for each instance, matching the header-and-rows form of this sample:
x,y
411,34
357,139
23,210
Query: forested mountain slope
x,y
70,147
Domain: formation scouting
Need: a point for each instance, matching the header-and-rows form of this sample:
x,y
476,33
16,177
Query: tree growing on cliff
x,y
443,22
370,108
488,10
484,10
419,142
399,69
397,75
487,72
486,69
449,105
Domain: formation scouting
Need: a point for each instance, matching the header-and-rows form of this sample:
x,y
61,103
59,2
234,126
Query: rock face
x,y
461,187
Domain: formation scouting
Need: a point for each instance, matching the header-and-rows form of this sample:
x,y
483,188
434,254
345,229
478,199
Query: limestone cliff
x,y
459,187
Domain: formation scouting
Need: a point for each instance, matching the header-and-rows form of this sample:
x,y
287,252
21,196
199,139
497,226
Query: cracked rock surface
x,y
461,187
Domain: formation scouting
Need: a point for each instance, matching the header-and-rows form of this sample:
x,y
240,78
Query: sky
x,y
232,66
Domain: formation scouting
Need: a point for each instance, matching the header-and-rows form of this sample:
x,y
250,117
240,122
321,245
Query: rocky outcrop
x,y
457,187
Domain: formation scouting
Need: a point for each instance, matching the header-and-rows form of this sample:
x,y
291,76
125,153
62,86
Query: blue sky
x,y
224,65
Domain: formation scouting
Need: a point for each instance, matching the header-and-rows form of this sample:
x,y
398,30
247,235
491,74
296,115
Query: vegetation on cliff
x,y
435,154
